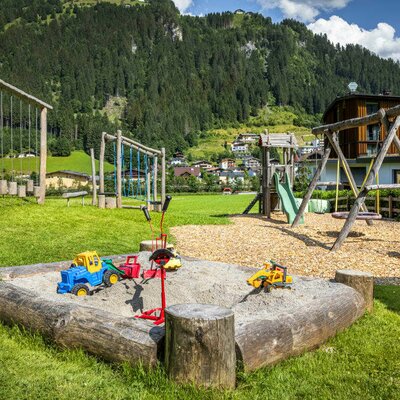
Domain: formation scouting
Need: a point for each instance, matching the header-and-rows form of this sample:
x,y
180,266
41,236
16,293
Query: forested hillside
x,y
180,74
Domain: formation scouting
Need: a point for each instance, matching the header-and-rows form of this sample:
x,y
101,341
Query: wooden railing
x,y
389,205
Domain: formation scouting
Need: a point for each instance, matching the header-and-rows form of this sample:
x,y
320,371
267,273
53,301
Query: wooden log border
x,y
259,343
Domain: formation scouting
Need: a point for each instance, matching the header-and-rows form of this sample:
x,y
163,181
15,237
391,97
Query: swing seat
x,y
360,216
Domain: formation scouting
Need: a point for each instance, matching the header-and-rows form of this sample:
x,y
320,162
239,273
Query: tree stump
x,y
200,345
111,202
3,186
29,186
147,245
36,191
361,281
21,190
12,188
101,201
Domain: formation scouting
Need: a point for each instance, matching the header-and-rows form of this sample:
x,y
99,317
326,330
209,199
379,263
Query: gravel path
x,y
305,250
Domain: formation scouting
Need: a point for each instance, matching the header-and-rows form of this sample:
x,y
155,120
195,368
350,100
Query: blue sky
x,y
374,24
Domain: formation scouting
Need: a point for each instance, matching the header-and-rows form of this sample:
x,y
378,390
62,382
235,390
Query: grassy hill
x,y
275,119
78,161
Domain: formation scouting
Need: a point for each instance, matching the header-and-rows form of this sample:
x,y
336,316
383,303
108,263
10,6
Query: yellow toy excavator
x,y
275,276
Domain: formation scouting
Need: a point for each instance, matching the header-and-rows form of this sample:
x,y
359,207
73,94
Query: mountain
x,y
178,75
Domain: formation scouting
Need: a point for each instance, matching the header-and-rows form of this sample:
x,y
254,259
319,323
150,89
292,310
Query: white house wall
x,y
385,174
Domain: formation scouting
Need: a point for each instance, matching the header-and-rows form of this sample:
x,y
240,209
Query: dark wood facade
x,y
365,140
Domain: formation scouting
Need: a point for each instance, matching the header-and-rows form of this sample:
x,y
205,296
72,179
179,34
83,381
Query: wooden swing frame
x,y
331,133
14,91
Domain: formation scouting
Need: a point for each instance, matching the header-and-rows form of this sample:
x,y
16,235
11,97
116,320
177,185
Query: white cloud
x,y
382,40
303,10
183,5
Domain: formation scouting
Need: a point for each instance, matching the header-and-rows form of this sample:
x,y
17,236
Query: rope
x,y
139,185
154,183
146,170
115,167
20,137
2,135
29,139
36,148
337,184
12,139
378,196
123,168
130,187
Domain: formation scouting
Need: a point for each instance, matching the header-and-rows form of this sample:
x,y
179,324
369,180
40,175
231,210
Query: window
x,y
396,176
372,108
373,132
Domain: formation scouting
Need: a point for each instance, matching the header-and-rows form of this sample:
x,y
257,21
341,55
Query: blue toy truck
x,y
87,269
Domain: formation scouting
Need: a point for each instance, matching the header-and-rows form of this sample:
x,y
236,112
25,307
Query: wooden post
x,y
312,186
148,183
94,184
200,345
12,188
3,187
390,206
43,155
101,165
360,200
163,175
363,282
119,171
292,163
155,177
268,178
21,190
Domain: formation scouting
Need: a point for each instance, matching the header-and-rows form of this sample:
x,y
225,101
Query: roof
x,y
179,171
286,140
228,159
75,173
360,96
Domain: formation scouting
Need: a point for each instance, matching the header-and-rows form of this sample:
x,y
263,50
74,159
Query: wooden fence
x,y
389,205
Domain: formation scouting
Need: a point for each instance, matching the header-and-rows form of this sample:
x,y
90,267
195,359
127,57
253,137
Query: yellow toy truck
x,y
274,277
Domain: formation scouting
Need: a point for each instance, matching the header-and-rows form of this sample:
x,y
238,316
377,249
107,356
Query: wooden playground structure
x,y
125,186
274,172
26,121
390,122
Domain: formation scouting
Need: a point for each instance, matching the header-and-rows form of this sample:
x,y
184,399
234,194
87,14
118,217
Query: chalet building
x,y
204,164
186,172
360,145
252,162
67,179
227,163
228,177
239,147
248,138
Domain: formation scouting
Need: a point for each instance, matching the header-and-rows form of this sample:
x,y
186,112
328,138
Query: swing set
x,y
135,172
20,131
390,120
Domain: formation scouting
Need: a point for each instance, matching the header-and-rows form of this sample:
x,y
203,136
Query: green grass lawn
x,y
78,161
55,232
362,362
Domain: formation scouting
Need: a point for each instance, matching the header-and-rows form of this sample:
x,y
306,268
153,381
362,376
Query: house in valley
x,y
67,179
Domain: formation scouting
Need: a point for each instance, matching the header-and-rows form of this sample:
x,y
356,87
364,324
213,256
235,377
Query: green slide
x,y
286,195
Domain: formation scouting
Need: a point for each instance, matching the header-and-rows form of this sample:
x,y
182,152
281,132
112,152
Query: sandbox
x,y
269,327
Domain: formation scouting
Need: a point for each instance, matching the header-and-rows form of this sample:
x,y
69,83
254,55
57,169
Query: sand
x,y
198,281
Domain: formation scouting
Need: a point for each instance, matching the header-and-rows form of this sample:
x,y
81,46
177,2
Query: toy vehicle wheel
x,y
110,278
80,290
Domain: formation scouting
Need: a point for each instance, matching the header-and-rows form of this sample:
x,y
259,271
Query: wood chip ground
x,y
251,240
